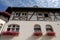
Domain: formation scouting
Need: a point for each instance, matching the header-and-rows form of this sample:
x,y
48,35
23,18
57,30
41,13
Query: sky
x,y
4,4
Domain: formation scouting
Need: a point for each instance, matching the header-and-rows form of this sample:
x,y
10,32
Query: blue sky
x,y
28,3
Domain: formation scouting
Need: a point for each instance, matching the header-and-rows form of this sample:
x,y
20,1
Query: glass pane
x,y
17,29
45,15
8,29
37,29
49,28
9,26
13,29
17,26
40,14
13,25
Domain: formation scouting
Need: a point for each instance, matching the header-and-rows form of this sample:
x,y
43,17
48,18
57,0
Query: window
x,y
13,27
37,28
40,14
45,15
49,28
20,16
12,30
1,26
17,14
24,14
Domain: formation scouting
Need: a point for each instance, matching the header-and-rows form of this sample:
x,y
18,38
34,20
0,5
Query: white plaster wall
x,y
2,22
27,30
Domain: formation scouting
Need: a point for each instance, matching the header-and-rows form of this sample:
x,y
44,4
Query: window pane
x,y
37,28
49,28
24,14
13,26
1,26
9,26
8,29
17,14
13,29
17,29
17,26
40,14
45,15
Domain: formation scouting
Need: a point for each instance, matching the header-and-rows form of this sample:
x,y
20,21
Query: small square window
x,y
40,14
17,26
8,29
9,26
24,13
17,29
13,26
45,15
17,14
13,29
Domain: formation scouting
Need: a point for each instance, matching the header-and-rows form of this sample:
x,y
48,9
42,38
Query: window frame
x,y
49,28
13,29
37,29
20,16
1,26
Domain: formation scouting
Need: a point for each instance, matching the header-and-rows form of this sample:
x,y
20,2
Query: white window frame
x,y
10,28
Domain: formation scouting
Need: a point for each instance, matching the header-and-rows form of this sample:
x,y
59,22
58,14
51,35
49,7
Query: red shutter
x,y
37,34
50,33
10,33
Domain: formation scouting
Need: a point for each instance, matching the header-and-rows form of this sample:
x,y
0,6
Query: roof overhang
x,y
10,9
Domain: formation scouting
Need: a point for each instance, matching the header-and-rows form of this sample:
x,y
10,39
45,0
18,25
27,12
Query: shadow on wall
x,y
44,37
6,37
32,38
